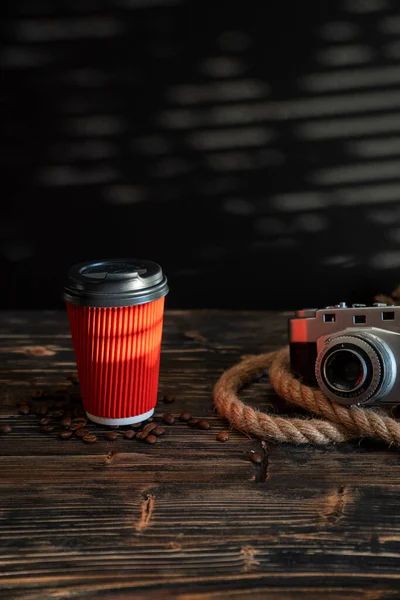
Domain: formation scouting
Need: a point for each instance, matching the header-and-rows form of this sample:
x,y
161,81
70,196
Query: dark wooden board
x,y
190,518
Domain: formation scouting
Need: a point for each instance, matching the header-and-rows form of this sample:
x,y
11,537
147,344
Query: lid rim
x,y
114,300
121,288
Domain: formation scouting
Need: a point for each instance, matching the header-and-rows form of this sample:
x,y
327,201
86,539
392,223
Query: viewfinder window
x,y
360,319
330,318
388,316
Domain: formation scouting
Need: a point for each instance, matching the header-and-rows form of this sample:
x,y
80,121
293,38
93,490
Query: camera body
x,y
351,353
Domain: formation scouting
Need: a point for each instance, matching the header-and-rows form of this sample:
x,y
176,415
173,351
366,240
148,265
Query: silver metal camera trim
x,y
308,325
362,361
382,379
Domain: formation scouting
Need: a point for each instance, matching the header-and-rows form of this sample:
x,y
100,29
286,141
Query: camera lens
x,y
345,370
357,368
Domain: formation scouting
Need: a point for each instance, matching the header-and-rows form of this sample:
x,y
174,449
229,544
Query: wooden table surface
x,y
190,517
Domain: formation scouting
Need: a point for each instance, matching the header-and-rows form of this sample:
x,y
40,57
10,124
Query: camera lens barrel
x,y
356,369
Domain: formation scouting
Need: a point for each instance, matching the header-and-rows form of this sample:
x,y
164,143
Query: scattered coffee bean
x,y
222,436
142,435
168,419
193,422
129,434
158,430
80,421
5,429
46,428
42,410
136,425
89,438
45,421
169,398
111,435
56,413
151,439
24,409
150,419
66,422
203,424
81,432
255,458
65,435
37,394
185,417
149,427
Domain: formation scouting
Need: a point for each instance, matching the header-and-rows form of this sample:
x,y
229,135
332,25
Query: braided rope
x,y
339,423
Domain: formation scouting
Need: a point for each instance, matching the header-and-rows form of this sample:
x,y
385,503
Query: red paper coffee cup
x,y
115,309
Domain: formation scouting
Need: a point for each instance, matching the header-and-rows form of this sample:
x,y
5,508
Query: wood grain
x,y
190,518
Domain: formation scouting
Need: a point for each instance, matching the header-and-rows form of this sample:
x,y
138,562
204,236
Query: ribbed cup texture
x,y
117,353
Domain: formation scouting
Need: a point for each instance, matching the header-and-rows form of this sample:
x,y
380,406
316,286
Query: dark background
x,y
253,150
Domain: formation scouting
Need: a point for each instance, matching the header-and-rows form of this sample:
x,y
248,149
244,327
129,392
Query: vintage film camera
x,y
351,353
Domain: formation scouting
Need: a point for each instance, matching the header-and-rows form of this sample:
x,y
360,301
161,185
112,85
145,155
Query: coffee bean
x,y
222,436
185,417
149,427
66,422
193,422
56,413
65,435
129,434
45,421
46,428
81,432
255,458
111,435
80,421
169,398
5,429
75,426
136,425
150,419
142,435
158,430
89,438
42,410
203,424
168,419
151,439
37,394
24,409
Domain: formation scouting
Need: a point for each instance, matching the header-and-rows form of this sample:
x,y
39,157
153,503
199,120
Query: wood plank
x,y
189,518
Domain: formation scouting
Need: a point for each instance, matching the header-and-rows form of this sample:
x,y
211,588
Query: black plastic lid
x,y
115,282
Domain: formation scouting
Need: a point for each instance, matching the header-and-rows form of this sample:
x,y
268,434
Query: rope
x,y
338,423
